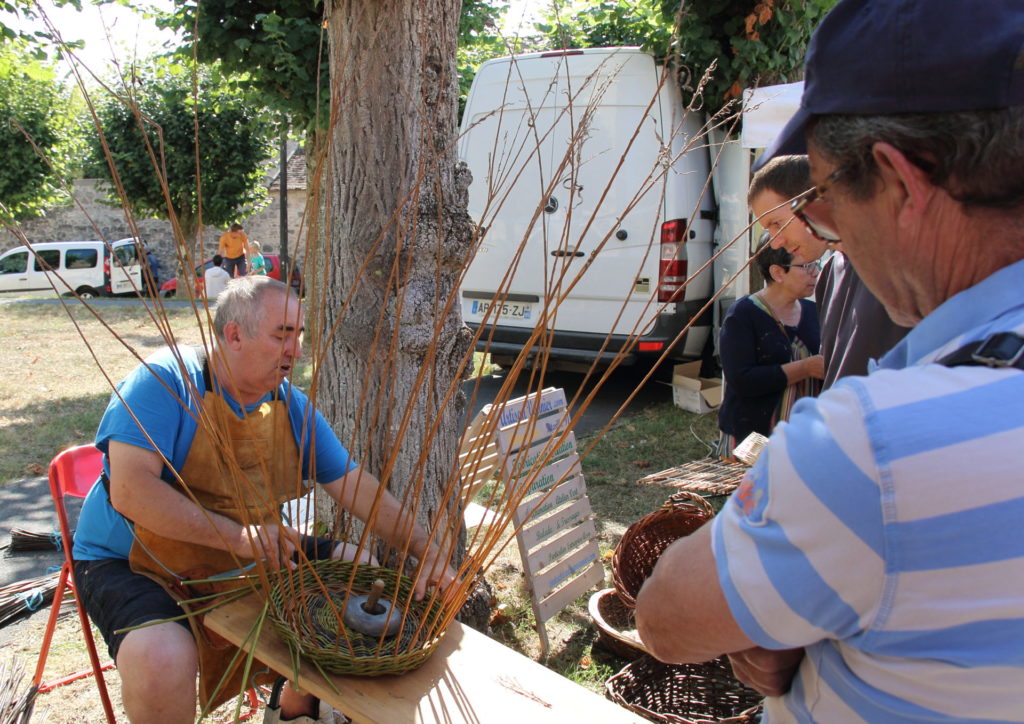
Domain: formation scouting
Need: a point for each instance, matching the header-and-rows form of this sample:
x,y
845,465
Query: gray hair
x,y
242,302
976,156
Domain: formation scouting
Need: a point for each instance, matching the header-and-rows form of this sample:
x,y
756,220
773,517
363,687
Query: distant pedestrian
x,y
154,267
215,279
259,262
234,247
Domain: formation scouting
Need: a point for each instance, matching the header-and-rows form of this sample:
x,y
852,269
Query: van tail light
x,y
672,268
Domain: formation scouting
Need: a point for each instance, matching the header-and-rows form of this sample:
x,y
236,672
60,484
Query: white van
x,y
88,268
591,188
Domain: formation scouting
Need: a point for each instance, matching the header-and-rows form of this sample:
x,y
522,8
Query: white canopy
x,y
766,110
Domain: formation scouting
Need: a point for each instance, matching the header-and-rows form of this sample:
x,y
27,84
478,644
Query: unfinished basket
x,y
709,476
616,627
306,609
705,693
644,541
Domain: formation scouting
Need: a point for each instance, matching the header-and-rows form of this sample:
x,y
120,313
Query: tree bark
x,y
397,237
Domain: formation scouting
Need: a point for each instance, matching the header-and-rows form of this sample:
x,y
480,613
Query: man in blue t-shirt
x,y
870,566
201,449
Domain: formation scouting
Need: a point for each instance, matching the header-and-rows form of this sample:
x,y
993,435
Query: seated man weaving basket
x,y
200,451
869,568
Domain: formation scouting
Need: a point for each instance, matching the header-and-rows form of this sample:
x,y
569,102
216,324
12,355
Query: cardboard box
x,y
694,393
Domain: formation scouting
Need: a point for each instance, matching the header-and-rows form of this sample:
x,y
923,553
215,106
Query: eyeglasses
x,y
811,267
822,227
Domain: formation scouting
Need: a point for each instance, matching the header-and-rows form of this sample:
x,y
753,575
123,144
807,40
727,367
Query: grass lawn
x,y
59,372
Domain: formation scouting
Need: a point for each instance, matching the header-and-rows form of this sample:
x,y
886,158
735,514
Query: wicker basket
x,y
705,693
306,608
613,618
644,541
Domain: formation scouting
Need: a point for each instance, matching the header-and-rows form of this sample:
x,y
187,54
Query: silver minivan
x,y
87,268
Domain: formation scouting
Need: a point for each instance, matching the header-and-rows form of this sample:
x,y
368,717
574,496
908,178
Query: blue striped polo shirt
x,y
883,530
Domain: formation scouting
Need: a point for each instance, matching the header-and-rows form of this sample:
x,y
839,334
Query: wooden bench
x,y
470,678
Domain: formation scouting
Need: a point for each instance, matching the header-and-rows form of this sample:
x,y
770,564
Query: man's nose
x,y
777,242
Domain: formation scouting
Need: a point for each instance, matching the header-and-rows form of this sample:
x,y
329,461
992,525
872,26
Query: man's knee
x,y
163,655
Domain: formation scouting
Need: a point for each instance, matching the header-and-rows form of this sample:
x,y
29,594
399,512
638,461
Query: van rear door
x,y
572,162
125,267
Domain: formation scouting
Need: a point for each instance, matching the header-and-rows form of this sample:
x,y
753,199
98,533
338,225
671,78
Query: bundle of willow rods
x,y
27,540
28,595
15,705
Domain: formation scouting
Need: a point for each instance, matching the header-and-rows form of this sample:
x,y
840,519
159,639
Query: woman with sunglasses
x,y
769,348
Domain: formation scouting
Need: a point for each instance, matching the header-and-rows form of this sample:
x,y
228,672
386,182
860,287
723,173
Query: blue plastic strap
x,y
33,599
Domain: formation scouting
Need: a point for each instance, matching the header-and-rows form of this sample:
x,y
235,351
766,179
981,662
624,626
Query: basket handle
x,y
686,498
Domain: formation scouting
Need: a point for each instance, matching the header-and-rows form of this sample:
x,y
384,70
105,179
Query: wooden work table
x,y
470,678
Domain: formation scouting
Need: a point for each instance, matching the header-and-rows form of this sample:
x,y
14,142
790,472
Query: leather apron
x,y
243,469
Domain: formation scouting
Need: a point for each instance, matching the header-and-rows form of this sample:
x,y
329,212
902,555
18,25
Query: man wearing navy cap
x,y
870,567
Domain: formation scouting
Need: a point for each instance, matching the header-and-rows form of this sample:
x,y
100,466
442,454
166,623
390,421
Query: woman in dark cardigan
x,y
769,348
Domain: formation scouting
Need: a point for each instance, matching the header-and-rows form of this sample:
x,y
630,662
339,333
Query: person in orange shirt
x,y
234,247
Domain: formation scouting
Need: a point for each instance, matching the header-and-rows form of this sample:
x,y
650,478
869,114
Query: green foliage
x,y
36,132
479,40
36,42
753,42
232,140
602,24
277,47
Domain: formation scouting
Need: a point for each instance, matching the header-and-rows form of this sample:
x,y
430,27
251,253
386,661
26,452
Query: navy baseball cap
x,y
909,56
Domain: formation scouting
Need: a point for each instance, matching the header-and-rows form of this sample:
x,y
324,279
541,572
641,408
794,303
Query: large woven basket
x,y
705,693
644,541
306,610
614,621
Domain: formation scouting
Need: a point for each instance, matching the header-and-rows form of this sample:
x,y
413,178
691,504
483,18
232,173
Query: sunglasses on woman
x,y
811,267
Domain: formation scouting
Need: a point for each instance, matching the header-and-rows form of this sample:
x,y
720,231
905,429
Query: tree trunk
x,y
397,237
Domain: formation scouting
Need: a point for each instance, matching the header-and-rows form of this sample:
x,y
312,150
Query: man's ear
x,y
776,272
232,334
908,183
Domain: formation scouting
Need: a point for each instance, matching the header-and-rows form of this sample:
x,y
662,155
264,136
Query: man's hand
x,y
278,543
767,672
435,572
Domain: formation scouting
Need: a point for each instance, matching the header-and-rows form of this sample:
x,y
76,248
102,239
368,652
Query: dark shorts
x,y
118,598
231,264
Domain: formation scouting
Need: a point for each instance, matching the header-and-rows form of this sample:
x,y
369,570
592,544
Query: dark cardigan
x,y
753,350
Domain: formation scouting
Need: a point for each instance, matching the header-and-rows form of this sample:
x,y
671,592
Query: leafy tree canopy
x,y
752,42
279,47
36,42
153,132
37,133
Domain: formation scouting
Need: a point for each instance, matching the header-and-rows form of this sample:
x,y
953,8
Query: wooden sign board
x,y
556,534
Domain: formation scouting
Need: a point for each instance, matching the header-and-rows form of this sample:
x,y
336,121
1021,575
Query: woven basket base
x,y
307,609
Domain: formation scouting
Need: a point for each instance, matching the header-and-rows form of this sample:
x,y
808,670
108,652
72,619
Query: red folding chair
x,y
72,472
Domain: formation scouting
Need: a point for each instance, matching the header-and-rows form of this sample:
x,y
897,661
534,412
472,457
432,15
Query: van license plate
x,y
509,310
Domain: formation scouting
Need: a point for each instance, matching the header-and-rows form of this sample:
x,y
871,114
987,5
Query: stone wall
x,y
88,217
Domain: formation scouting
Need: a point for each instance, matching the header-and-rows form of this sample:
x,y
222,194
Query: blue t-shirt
x,y
159,393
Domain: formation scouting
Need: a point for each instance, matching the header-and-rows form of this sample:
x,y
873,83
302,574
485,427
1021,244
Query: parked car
x,y
88,268
170,287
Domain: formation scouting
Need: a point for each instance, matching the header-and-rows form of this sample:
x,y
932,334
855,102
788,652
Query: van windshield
x,y
14,263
